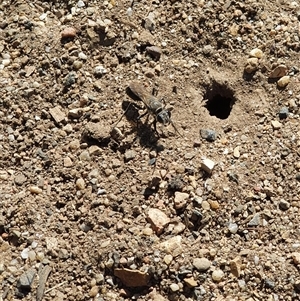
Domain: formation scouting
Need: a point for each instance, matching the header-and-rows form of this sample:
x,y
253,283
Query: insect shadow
x,y
144,133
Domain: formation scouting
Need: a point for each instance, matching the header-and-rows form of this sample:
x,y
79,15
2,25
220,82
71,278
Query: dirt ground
x,y
97,205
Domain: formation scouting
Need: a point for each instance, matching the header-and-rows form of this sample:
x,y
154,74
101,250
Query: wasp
x,y
154,106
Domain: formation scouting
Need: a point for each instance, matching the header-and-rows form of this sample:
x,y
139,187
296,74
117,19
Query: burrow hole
x,y
219,100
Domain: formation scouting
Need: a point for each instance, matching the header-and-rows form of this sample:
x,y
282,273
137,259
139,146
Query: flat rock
x,y
235,266
97,131
158,219
278,71
255,221
132,278
26,279
57,114
190,282
201,264
172,246
276,124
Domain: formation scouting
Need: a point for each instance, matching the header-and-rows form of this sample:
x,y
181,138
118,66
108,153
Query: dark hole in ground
x,y
220,100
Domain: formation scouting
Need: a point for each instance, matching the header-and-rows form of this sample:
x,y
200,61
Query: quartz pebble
x,y
174,287
233,228
217,275
207,165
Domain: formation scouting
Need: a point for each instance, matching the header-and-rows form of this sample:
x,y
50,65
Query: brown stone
x,y
158,219
132,278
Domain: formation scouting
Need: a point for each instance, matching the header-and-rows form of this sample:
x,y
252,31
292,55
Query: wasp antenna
x,y
173,125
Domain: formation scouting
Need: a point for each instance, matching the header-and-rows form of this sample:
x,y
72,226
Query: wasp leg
x,y
155,129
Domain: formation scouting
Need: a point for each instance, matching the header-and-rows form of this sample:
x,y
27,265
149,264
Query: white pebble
x,y
80,4
217,275
135,35
233,228
5,62
82,56
174,287
24,253
129,11
43,16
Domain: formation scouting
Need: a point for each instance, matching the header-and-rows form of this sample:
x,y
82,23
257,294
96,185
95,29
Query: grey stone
x,y
209,135
154,51
284,112
70,79
26,279
201,264
284,205
255,221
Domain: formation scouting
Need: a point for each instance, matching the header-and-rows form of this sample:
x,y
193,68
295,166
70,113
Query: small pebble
x,y
284,113
129,155
217,275
209,135
82,56
190,282
233,228
201,264
69,32
24,253
284,205
80,4
174,287
278,72
94,291
283,82
236,152
276,124
80,184
35,190
99,70
251,65
208,165
256,52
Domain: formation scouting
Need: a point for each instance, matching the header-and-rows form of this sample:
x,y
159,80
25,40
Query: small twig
x,y
55,286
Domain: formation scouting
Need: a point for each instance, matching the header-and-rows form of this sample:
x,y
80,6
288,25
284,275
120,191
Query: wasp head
x,y
164,116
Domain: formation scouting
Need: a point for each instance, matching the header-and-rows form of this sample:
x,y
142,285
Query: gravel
x,y
110,209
